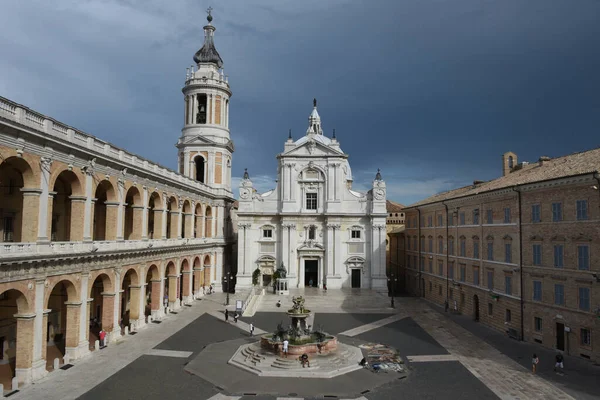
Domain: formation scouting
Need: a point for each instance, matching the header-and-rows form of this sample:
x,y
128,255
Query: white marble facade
x,y
322,231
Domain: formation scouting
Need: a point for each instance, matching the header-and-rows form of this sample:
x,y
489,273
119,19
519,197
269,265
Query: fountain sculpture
x,y
300,336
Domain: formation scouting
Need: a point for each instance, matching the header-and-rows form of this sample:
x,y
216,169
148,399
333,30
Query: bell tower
x,y
205,147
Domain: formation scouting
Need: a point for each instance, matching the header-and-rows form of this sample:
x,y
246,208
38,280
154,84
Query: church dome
x,y
208,54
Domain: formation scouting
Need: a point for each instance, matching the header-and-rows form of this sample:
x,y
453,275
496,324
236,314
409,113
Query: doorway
x,y
560,336
356,278
311,273
476,308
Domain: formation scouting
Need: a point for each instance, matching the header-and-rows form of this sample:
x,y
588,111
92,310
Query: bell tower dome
x,y
205,147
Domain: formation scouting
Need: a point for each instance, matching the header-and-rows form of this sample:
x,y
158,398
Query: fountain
x,y
300,336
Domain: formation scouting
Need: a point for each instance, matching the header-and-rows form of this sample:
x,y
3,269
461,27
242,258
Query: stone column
x,y
213,223
48,224
116,332
108,307
163,234
203,223
285,241
199,226
112,221
120,210
186,163
158,224
330,246
77,212
337,255
83,345
134,304
44,215
29,223
156,298
293,256
141,322
138,222
220,221
172,291
145,211
73,328
210,175
187,286
198,281
190,222
331,182
25,348
218,268
88,218
39,333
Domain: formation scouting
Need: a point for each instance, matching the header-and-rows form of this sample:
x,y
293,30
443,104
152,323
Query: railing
x,y
21,114
14,250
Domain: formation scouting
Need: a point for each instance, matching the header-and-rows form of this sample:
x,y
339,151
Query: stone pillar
x,y
292,267
77,216
218,268
220,221
199,226
156,297
187,286
178,219
189,225
186,164
198,280
134,303
337,255
39,333
159,227
172,291
144,231
165,215
142,307
73,328
48,224
330,249
30,215
84,345
108,306
25,347
139,214
88,219
120,223
285,242
213,223
210,176
112,221
44,215
203,223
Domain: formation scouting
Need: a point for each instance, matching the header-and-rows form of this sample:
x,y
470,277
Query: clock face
x,y
244,193
379,194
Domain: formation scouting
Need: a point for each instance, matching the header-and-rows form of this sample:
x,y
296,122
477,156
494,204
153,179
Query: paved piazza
x,y
180,357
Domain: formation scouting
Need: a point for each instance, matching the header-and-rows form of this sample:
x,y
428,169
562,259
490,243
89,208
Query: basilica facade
x,y
313,224
95,237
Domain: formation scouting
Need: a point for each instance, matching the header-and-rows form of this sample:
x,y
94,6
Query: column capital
x,y
334,226
46,163
25,317
30,192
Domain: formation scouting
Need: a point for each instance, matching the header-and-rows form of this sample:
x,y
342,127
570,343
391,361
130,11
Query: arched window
x,y
510,161
199,163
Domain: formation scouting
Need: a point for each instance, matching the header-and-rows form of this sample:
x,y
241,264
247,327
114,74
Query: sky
x,y
432,92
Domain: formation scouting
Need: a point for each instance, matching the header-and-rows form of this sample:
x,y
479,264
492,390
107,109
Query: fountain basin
x,y
327,345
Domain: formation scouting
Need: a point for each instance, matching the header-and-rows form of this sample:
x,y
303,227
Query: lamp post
x,y
392,279
227,279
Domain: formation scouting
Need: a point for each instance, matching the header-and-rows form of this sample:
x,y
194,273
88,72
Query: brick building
x,y
394,248
519,253
95,237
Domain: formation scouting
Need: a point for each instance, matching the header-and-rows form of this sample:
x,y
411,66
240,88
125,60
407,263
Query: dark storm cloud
x,y
430,91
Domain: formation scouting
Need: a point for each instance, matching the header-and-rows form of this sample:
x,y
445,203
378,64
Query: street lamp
x,y
227,279
392,279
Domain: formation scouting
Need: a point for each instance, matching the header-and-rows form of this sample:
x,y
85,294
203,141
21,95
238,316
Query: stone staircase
x,y
252,358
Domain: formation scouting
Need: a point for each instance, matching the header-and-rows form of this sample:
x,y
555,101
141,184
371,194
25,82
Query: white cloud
x,y
262,183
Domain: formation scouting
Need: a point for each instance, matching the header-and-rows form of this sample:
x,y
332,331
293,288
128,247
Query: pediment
x,y
313,148
199,140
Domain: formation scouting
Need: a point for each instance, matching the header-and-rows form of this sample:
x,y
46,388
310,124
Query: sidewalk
x,y
102,364
581,378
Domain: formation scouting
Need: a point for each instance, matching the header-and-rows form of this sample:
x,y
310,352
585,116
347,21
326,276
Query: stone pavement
x,y
100,365
428,337
506,378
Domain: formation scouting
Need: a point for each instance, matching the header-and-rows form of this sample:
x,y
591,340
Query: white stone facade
x,y
322,231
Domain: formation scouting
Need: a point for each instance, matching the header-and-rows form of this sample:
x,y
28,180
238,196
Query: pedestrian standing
x,y
226,315
235,317
251,329
102,337
285,348
203,289
559,362
534,362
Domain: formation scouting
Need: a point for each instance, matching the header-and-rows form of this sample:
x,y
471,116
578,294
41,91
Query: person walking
x,y
285,348
226,315
251,328
534,362
235,317
559,362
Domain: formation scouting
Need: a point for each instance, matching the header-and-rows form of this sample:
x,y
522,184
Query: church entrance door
x,y
356,278
311,273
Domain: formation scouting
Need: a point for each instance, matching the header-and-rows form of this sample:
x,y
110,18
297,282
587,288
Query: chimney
x,y
543,159
509,161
